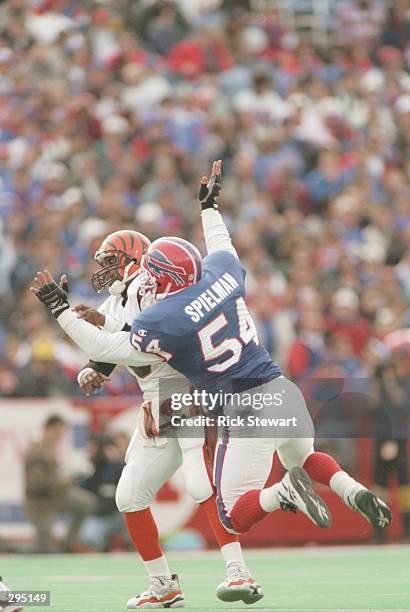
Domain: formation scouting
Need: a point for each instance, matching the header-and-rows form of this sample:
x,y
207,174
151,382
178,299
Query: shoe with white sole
x,y
371,507
296,493
4,606
163,592
239,586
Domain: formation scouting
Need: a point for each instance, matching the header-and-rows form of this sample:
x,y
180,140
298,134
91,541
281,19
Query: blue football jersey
x,y
206,331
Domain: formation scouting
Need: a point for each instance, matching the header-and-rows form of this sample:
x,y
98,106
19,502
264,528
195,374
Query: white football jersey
x,y
157,382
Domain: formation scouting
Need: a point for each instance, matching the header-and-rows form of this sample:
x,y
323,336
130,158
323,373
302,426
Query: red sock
x,y
144,534
247,511
222,536
321,467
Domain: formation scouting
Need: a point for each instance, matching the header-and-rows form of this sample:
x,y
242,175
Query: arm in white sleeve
x,y
100,345
216,234
112,324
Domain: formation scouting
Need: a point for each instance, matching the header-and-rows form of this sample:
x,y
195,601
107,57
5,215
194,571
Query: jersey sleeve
x,y
114,348
148,336
112,324
216,233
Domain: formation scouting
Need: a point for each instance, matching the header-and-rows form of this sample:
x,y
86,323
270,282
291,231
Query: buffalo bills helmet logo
x,y
160,265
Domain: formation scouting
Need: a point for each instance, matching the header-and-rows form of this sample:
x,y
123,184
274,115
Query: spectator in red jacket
x,y
346,320
306,351
205,51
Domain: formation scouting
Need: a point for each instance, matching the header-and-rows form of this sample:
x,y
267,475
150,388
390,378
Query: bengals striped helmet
x,y
120,257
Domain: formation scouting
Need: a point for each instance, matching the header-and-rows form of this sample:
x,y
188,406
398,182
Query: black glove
x,y
54,297
209,192
64,285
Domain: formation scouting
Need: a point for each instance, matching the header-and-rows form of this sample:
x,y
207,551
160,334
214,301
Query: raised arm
x,y
216,233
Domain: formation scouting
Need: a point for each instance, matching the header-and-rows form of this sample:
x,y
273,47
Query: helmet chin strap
x,y
161,296
119,286
147,299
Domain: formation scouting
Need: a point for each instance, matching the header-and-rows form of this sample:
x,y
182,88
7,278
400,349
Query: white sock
x,y
344,485
268,498
157,567
232,554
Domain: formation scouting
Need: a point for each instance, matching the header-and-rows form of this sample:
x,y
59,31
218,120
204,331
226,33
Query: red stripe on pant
x,y
220,458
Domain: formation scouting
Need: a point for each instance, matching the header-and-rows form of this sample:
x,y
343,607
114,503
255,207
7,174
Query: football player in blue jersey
x,y
200,325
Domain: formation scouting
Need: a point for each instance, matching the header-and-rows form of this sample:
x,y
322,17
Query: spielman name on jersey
x,y
210,298
221,420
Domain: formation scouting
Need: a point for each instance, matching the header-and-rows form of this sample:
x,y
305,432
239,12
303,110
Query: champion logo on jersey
x,y
159,264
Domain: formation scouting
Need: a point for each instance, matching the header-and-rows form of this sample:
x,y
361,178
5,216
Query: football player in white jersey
x,y
152,460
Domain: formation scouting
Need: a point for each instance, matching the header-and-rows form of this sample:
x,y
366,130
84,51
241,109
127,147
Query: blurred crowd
x,y
84,496
110,112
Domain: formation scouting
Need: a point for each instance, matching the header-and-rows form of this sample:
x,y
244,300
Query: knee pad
x,y
197,479
132,495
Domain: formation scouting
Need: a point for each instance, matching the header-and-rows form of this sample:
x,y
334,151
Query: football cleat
x,y
296,493
163,592
371,507
239,586
4,606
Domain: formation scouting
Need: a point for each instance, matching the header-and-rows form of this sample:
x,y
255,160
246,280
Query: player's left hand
x,y
53,296
210,188
91,381
90,315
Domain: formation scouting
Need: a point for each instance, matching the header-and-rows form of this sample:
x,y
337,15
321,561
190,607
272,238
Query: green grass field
x,y
298,580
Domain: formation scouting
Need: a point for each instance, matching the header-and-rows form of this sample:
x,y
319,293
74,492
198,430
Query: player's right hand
x,y
90,381
90,315
210,188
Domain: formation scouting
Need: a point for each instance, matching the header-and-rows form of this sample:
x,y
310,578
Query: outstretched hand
x,y
53,296
211,187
